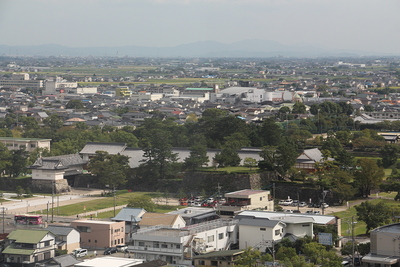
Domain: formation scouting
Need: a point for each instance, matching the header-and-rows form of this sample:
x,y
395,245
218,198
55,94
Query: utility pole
x,y
115,200
4,209
52,201
352,238
273,188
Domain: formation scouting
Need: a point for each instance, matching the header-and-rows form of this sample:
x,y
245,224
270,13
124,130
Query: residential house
x,y
100,234
67,238
66,260
178,246
131,217
29,246
225,258
247,199
165,219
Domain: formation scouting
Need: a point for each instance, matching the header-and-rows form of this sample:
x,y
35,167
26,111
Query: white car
x,y
80,252
281,202
288,202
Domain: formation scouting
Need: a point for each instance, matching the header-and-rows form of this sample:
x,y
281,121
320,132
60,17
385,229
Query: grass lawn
x,y
359,227
94,205
159,208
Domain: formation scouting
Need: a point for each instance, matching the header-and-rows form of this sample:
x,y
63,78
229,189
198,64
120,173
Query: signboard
x,y
325,239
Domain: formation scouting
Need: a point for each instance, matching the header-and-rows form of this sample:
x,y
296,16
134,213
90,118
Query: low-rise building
x,y
385,244
247,199
178,246
100,234
30,144
67,238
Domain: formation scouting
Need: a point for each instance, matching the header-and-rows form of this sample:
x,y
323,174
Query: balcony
x,y
164,251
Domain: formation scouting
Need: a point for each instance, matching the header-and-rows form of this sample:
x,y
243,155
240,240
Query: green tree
x,y
271,133
227,157
74,104
54,122
299,108
143,201
374,215
251,258
389,155
124,137
110,170
159,161
250,162
368,176
18,162
197,158
19,191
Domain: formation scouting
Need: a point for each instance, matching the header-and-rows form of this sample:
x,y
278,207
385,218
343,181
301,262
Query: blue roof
x,y
129,215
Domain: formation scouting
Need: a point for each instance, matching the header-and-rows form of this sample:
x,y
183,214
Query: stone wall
x,y
45,186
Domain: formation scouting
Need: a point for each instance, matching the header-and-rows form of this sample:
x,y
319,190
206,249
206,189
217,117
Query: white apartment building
x,y
251,94
178,246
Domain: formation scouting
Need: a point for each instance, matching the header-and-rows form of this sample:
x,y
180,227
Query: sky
x,y
366,25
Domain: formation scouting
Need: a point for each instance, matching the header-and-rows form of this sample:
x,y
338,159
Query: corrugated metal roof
x,y
27,236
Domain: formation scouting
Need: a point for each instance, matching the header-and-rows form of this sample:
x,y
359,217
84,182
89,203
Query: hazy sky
x,y
369,25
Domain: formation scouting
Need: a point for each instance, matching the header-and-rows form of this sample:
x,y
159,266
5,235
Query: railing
x,y
152,249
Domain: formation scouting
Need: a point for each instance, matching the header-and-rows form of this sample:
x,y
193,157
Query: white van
x,y
79,252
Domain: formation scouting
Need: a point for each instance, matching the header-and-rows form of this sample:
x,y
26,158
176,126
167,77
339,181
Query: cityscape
x,y
199,133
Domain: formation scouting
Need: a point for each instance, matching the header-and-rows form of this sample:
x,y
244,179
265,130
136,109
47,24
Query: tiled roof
x,y
110,148
153,218
27,236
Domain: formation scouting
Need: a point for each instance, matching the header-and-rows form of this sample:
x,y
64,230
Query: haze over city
x,y
362,25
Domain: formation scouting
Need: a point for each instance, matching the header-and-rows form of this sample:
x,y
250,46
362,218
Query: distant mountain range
x,y
246,48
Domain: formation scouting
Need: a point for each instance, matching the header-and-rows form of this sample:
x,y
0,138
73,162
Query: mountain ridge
x,y
244,48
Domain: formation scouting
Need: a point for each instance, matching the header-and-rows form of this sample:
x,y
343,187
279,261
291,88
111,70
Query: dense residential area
x,y
199,162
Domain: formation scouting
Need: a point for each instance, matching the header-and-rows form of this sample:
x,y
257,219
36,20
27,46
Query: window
x,y
156,244
220,236
263,229
89,240
47,243
210,238
178,246
277,232
33,145
164,246
141,244
84,229
95,241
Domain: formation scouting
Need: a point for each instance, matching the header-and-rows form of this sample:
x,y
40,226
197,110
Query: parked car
x,y
302,204
281,202
295,203
317,212
296,211
288,202
289,211
309,212
324,205
198,199
110,251
122,248
80,252
210,200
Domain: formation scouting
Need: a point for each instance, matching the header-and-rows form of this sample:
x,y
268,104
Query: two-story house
x,y
67,238
29,246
